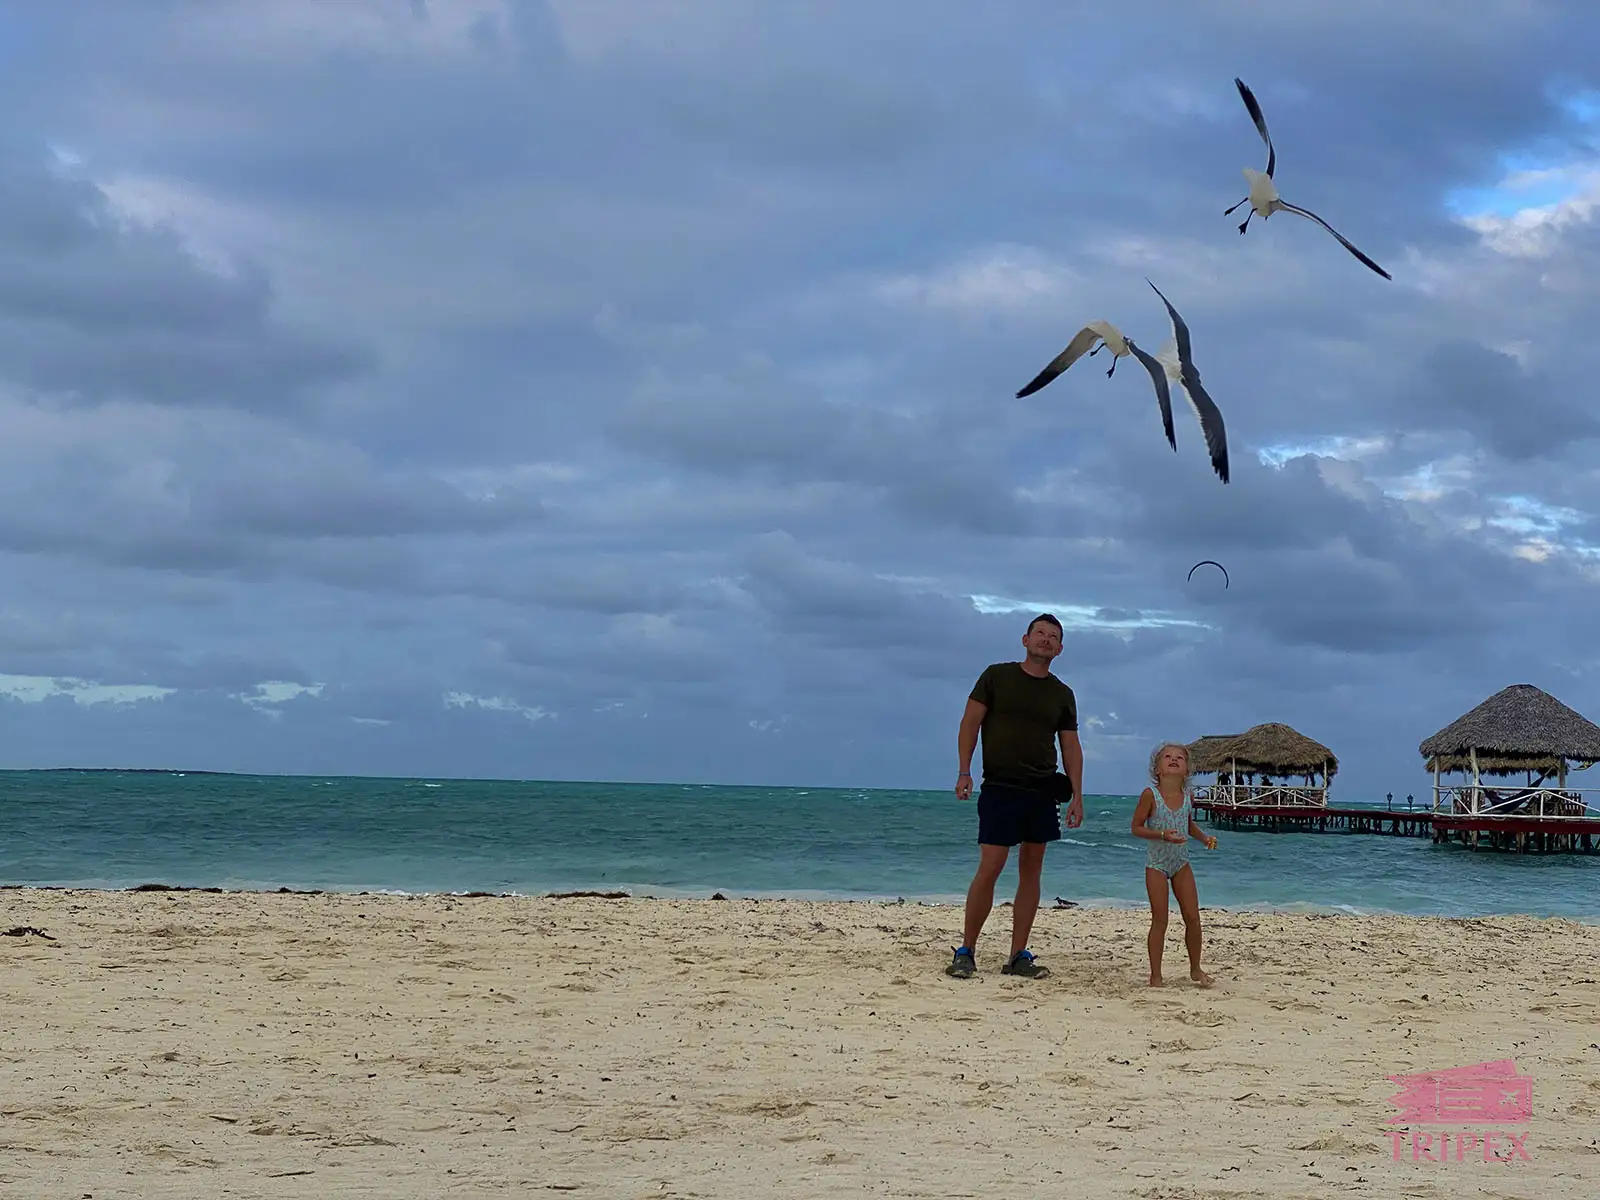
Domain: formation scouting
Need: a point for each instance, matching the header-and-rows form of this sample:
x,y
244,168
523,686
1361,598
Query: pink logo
x,y
1489,1093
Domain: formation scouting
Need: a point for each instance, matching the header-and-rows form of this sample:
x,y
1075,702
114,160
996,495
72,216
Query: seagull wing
x,y
1075,350
1210,418
1158,376
1343,241
1261,123
1205,411
1180,331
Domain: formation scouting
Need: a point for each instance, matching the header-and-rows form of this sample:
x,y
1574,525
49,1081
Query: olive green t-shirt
x,y
1025,712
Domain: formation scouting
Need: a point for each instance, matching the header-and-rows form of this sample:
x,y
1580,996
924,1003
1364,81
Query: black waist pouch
x,y
1059,788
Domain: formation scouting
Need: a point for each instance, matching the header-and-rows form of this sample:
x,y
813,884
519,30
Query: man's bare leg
x,y
1030,862
980,895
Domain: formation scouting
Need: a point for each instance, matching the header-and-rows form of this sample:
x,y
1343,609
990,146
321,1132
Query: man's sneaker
x,y
1023,963
962,965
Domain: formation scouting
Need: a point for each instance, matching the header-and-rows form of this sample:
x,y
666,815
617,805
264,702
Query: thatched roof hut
x,y
1519,728
1207,755
1269,749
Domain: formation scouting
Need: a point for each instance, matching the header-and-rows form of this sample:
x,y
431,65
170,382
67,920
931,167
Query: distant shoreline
x,y
492,779
780,787
113,771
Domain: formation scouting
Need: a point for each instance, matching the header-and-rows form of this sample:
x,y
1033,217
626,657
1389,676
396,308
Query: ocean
x,y
121,829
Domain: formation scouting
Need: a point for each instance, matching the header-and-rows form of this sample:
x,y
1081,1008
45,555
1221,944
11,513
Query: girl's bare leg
x,y
1189,904
1155,884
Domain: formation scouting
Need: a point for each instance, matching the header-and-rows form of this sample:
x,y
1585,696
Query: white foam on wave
x,y
1309,908
802,895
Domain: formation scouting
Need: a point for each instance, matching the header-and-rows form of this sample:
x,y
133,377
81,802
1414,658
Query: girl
x,y
1163,818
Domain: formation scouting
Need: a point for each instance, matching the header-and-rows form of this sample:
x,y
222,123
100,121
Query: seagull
x,y
1177,365
1110,338
1263,197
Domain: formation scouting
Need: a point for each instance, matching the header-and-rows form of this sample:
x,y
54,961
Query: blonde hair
x,y
1155,761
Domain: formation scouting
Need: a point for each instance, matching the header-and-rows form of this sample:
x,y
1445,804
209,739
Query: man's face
x,y
1043,640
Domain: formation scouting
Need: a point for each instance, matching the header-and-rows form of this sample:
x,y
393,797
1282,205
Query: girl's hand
x,y
1173,836
1211,843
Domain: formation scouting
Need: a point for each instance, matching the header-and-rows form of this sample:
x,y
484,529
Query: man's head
x,y
1042,642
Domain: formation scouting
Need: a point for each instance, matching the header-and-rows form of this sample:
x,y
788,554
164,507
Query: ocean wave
x,y
1309,907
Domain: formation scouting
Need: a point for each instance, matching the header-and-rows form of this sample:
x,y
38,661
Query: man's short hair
x,y
1048,619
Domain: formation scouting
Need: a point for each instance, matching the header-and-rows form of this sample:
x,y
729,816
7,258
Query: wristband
x,y
964,775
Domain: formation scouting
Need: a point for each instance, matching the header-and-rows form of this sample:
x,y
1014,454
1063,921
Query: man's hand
x,y
963,786
1075,812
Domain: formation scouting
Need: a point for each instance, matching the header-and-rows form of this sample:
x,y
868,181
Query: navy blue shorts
x,y
1008,815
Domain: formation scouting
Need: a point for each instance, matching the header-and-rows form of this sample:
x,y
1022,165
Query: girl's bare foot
x,y
1201,978
1155,981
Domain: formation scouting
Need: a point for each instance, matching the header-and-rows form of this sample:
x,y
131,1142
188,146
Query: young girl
x,y
1163,818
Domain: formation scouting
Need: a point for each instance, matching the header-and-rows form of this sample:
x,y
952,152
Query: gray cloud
x,y
757,423
643,379
1513,414
222,492
93,307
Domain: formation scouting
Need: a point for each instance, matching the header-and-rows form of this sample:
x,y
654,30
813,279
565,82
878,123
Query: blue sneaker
x,y
962,966
1023,963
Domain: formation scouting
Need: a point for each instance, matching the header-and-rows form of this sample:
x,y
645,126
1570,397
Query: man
x,y
1022,711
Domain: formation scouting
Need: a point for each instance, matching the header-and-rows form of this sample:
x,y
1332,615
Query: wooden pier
x,y
1521,835
1519,731
1517,834
1288,818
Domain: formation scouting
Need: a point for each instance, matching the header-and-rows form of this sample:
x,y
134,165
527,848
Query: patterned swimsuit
x,y
1165,856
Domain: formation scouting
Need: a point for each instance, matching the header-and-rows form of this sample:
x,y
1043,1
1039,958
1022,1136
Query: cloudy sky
x,y
611,389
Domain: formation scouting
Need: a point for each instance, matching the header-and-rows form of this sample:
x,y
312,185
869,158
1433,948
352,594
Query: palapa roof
x,y
1269,749
1205,754
1519,728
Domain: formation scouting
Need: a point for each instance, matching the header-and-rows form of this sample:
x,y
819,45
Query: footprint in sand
x,y
1340,1144
1204,1018
772,1108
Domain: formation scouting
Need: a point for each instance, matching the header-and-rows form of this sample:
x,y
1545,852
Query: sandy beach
x,y
177,1044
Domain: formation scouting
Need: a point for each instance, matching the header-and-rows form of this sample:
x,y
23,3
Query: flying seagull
x,y
1110,338
1263,198
1177,364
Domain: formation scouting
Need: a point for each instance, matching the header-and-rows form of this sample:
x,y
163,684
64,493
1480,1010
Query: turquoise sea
x,y
122,829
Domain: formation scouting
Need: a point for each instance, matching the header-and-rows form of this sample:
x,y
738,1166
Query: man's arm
x,y
1072,760
967,735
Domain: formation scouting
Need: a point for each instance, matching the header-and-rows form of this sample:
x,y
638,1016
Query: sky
x,y
585,389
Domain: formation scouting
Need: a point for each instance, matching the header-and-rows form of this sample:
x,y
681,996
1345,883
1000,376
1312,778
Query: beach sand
x,y
237,1045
